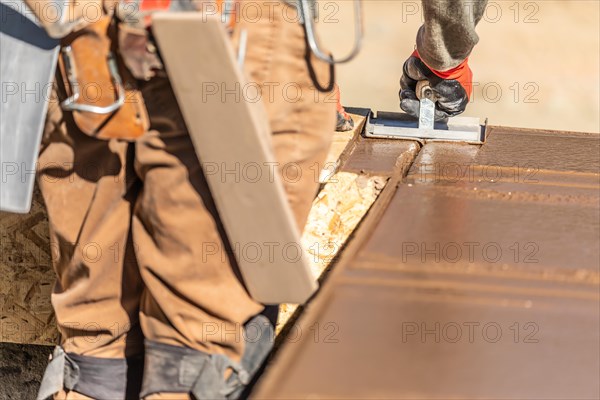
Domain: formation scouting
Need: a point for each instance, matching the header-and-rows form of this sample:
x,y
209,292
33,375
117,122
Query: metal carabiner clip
x,y
70,103
313,41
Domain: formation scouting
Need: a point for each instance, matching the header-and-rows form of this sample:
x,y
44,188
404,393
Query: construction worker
x,y
144,209
146,314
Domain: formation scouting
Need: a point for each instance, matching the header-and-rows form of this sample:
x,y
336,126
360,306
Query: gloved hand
x,y
452,88
344,121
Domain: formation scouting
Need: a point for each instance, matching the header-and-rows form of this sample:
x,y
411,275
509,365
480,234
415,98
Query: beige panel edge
x,y
255,213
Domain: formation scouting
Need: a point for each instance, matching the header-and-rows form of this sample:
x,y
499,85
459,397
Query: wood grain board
x,y
231,135
343,202
27,277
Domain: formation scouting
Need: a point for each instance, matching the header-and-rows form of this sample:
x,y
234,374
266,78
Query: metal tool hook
x,y
70,103
242,48
313,41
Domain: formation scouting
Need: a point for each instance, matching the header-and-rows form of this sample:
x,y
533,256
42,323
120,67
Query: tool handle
x,y
424,91
427,107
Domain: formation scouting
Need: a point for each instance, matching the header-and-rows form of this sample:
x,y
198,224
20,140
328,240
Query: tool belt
x,y
99,89
101,66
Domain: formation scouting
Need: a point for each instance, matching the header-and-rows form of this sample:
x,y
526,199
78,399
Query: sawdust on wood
x,y
338,145
27,278
335,214
338,209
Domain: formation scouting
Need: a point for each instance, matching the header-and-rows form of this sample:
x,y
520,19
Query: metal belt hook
x,y
70,103
313,41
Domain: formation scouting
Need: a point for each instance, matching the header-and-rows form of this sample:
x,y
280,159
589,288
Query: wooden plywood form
x,y
335,214
338,209
26,277
341,144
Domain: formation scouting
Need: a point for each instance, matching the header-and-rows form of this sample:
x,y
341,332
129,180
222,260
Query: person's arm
x,y
444,43
448,35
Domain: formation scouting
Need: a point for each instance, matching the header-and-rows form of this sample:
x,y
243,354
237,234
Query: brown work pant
x,y
129,221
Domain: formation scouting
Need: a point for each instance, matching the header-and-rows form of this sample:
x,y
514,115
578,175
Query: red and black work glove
x,y
452,88
344,121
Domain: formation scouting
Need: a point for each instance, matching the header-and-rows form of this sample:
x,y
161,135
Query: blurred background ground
x,y
21,370
537,64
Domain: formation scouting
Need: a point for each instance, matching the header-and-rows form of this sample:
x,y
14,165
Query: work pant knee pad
x,y
98,378
174,369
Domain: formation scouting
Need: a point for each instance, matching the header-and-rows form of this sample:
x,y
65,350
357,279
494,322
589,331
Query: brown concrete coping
x,y
463,286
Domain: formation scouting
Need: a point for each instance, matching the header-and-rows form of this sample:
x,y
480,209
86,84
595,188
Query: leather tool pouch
x,y
102,95
139,52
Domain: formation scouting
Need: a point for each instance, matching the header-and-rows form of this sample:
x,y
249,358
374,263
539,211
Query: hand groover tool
x,y
392,125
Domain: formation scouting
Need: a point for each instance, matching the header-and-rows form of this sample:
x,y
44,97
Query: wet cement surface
x,y
543,150
379,157
479,278
438,342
